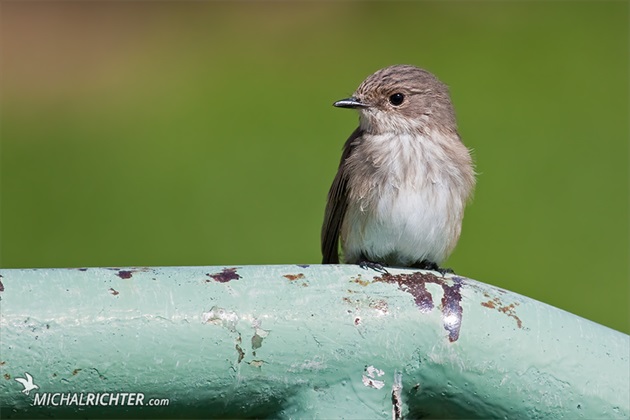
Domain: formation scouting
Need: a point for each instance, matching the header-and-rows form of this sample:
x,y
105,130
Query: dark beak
x,y
351,102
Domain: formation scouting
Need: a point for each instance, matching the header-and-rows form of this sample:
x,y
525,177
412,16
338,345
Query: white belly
x,y
402,215
406,227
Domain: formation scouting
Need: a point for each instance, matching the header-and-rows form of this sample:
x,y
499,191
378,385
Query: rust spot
x,y
415,284
74,372
113,291
7,376
452,308
293,277
357,321
509,310
1,286
488,304
2,363
380,305
241,353
225,276
124,274
359,280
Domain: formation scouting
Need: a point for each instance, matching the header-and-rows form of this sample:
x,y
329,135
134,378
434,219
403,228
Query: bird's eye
x,y
396,99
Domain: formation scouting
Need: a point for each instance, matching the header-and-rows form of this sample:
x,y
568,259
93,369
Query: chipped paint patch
x,y
220,316
125,274
304,265
372,372
293,277
369,377
74,372
372,383
499,305
1,285
113,291
397,396
415,284
256,363
258,337
7,376
241,353
226,275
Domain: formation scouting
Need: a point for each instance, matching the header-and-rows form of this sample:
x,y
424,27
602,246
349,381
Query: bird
x,y
404,178
27,383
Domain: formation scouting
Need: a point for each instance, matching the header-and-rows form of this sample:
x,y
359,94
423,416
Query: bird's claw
x,y
430,265
365,264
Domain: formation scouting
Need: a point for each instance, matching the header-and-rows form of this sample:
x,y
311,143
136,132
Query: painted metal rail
x,y
293,341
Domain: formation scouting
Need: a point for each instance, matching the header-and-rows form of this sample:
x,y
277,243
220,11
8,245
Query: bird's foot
x,y
365,264
430,265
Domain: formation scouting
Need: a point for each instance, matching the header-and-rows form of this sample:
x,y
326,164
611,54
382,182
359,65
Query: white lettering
x,y
140,399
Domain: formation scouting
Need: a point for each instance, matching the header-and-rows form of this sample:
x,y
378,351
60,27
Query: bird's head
x,y
402,99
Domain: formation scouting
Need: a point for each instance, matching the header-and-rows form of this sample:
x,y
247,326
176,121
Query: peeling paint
x,y
124,274
258,337
415,284
74,372
373,372
1,286
303,265
372,383
397,396
220,316
241,353
256,342
7,376
256,363
293,277
226,275
369,377
113,291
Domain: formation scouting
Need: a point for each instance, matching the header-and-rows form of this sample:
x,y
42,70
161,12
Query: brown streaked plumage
x,y
404,178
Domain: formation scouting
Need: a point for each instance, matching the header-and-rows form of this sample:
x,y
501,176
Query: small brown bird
x,y
405,176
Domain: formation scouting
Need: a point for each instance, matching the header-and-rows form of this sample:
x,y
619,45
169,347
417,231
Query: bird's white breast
x,y
406,198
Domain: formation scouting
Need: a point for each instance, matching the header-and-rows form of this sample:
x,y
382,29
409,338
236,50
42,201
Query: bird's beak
x,y
351,102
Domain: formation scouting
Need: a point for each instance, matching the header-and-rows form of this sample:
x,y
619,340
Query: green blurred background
x,y
202,133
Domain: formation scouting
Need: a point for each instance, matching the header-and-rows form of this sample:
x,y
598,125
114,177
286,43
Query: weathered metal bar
x,y
296,341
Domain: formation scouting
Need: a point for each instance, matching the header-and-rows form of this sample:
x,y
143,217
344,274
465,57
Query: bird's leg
x,y
430,265
366,264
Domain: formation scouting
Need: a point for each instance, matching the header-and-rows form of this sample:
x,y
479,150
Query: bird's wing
x,y
337,204
28,376
22,381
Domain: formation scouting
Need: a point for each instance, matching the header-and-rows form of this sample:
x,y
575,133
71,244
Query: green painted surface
x,y
202,133
301,341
